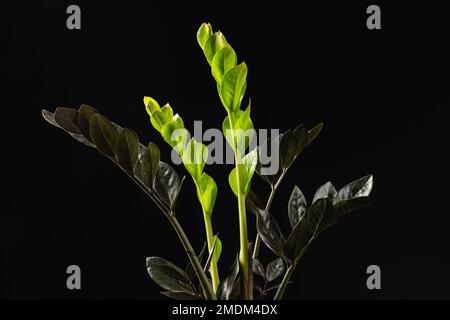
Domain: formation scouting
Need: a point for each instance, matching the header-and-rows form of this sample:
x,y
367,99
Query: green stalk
x,y
243,254
210,240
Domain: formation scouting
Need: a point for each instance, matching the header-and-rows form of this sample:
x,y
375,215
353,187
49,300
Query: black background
x,y
382,94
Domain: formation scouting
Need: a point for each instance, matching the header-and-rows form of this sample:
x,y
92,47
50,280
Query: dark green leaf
x,y
225,289
66,118
168,275
236,291
126,149
297,241
318,213
274,269
297,206
325,191
85,114
103,134
292,144
50,118
354,195
270,232
314,132
258,268
167,183
266,154
147,165
181,295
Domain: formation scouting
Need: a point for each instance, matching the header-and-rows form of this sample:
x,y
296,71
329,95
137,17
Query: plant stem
x,y
201,275
206,286
284,283
210,239
243,254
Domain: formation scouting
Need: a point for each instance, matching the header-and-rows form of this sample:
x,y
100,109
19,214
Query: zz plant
x,y
247,278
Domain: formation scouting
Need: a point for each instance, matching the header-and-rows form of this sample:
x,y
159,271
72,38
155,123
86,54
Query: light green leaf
x,y
233,86
213,45
242,130
247,168
175,134
207,193
159,118
151,105
194,158
223,61
203,34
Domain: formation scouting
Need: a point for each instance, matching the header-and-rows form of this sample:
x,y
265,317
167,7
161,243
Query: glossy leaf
x,y
223,61
207,193
167,275
213,45
242,130
247,169
292,144
258,268
225,289
274,269
151,105
297,206
325,191
314,132
233,86
167,184
317,214
203,34
126,149
147,166
161,117
297,241
266,151
104,135
66,118
175,134
50,118
270,232
84,117
354,195
194,158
